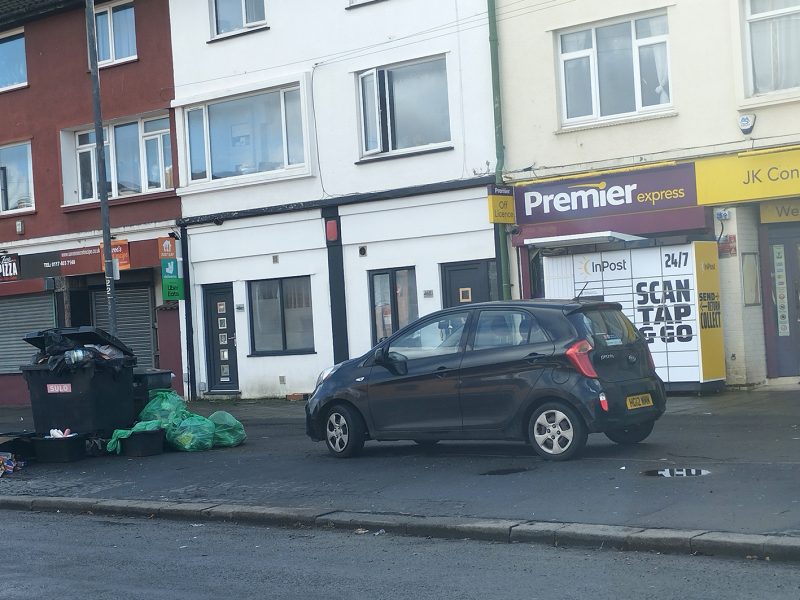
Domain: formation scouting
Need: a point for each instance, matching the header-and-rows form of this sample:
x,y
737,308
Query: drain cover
x,y
506,471
676,472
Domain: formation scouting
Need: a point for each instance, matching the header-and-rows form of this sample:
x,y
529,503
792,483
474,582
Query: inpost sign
x,y
501,204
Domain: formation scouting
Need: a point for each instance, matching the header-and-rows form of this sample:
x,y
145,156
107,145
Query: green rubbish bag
x,y
121,434
191,434
165,406
228,431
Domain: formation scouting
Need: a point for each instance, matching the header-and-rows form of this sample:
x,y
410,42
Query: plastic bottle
x,y
79,355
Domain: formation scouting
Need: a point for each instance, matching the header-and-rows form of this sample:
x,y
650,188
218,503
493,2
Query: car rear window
x,y
605,328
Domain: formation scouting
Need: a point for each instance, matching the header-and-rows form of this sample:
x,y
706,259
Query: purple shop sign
x,y
644,192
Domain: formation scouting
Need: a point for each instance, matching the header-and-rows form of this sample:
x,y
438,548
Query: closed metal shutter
x,y
23,314
134,320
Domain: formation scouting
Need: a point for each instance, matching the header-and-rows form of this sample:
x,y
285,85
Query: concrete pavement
x,y
749,504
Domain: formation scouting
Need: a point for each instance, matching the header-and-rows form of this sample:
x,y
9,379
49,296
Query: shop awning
x,y
581,239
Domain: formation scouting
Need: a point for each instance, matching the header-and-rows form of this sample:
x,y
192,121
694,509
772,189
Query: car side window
x,y
501,328
434,338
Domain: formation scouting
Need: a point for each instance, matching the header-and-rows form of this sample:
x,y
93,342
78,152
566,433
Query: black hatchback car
x,y
542,371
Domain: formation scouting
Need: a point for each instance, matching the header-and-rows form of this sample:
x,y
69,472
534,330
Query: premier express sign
x,y
632,192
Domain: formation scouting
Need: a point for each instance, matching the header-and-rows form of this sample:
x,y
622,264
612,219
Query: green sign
x,y
172,289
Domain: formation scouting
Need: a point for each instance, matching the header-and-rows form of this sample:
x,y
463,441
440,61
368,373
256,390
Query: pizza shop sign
x,y
9,267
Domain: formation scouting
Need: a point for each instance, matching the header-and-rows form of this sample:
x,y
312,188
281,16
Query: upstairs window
x,y
404,107
773,33
615,70
234,15
259,133
16,177
13,69
138,159
116,34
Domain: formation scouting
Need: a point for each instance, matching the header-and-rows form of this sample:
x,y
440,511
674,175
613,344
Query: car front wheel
x,y
556,431
344,431
631,435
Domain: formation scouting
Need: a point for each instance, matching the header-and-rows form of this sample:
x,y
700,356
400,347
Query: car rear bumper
x,y
619,415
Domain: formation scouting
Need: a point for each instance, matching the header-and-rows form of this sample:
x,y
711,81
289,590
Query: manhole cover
x,y
506,471
676,472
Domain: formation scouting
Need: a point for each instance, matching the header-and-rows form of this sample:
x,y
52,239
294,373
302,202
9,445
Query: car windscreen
x,y
605,327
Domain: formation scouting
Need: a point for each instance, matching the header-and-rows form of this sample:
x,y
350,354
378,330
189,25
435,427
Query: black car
x,y
542,371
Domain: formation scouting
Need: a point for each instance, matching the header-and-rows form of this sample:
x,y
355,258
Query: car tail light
x,y
650,360
578,355
603,401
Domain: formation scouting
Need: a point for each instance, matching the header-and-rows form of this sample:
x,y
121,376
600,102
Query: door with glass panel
x,y
784,298
393,300
223,374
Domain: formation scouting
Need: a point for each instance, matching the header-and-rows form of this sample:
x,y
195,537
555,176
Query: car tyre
x,y
631,435
344,431
556,431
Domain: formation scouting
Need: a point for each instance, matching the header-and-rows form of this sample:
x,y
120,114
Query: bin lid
x,y
80,335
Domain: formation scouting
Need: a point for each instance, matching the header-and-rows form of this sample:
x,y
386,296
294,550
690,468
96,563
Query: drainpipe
x,y
501,237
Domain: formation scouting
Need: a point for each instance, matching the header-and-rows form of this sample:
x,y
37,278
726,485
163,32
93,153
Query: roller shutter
x,y
135,320
22,314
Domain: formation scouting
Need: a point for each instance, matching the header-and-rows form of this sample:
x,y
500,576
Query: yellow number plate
x,y
639,401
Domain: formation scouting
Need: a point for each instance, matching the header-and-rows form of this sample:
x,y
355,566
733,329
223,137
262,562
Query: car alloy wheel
x,y
344,431
556,432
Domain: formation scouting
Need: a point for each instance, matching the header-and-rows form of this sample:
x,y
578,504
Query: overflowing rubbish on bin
x,y
185,431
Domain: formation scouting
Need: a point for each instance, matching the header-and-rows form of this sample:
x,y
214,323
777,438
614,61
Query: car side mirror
x,y
380,356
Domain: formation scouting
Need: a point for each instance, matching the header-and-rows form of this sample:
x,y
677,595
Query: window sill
x,y
281,353
95,204
116,63
14,88
611,123
770,99
18,212
243,181
381,157
237,33
362,3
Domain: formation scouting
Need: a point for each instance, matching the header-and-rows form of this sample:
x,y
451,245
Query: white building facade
x,y
333,164
692,106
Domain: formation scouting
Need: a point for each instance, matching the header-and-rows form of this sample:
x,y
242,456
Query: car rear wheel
x,y
631,435
556,431
344,431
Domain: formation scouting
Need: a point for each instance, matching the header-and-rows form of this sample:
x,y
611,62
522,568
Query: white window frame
x,y
382,91
245,25
108,9
749,18
287,168
110,149
640,110
30,182
12,34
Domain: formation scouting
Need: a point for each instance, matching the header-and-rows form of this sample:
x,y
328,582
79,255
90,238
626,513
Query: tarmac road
x,y
750,443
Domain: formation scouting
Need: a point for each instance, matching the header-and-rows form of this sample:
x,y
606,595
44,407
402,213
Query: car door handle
x,y
442,372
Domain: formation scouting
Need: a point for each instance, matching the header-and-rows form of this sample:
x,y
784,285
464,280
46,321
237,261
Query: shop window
x,y
615,70
393,297
16,178
13,67
236,15
116,34
138,158
258,133
773,38
281,320
404,107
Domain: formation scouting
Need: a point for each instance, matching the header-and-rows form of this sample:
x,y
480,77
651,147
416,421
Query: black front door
x,y
418,392
784,289
471,281
220,338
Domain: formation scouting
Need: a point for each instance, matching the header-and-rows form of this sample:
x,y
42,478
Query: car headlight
x,y
325,374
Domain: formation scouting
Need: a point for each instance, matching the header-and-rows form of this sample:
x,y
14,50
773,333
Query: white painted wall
x,y
708,90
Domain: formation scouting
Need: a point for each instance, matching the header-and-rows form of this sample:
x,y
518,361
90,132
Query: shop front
x,y
756,195
637,237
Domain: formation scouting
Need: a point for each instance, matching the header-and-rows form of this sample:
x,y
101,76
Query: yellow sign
x,y
712,350
501,204
780,211
726,179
